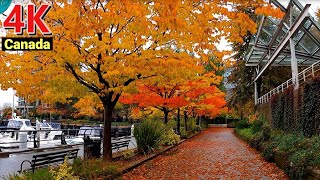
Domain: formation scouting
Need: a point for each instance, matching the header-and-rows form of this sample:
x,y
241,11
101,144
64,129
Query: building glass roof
x,y
266,48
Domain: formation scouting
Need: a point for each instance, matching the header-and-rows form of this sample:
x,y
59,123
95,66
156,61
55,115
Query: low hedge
x,y
299,152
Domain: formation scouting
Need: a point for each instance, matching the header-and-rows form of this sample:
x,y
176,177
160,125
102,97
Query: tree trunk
x,y
107,147
166,113
185,120
178,122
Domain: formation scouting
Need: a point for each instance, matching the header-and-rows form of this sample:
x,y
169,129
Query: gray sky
x,y
7,97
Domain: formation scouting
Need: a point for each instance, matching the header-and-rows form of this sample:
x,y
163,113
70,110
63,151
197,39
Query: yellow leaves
x,y
88,106
146,42
269,10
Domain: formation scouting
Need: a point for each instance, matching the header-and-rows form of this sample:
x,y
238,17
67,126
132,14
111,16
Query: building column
x,y
294,64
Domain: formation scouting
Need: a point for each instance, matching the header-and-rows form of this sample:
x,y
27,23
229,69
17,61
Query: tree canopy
x,y
106,47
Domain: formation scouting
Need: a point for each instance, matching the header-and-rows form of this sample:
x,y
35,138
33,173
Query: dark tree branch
x,y
70,69
172,91
157,91
114,102
125,25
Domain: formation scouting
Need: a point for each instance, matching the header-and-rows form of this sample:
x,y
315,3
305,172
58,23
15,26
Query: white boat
x,y
8,139
47,131
94,133
12,138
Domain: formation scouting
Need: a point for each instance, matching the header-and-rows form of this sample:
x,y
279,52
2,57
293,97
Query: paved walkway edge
x,y
127,169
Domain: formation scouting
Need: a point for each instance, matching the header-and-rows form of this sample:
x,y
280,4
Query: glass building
x,y
292,41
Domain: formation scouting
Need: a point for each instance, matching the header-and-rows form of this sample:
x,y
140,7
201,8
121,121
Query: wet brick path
x,y
214,154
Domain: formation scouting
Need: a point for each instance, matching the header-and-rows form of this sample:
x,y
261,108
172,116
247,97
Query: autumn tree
x,y
242,99
6,110
164,99
88,106
105,46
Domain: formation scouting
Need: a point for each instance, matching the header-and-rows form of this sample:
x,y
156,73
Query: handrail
x,y
303,76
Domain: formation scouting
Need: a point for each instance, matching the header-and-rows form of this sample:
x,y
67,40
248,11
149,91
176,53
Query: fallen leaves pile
x,y
214,154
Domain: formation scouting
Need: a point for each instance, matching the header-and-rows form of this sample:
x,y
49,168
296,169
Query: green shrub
x,y
148,135
93,168
266,132
204,125
298,164
298,151
242,124
288,143
245,134
171,124
127,154
257,125
305,155
257,140
183,133
268,150
121,123
170,138
192,126
39,174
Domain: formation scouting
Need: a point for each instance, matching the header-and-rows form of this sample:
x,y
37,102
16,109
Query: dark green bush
x,y
242,124
245,134
257,125
256,140
288,143
268,150
148,135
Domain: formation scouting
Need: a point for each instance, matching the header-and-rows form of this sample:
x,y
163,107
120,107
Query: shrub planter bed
x,y
281,158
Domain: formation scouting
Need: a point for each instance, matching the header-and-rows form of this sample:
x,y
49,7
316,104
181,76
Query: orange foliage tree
x,y
163,98
105,46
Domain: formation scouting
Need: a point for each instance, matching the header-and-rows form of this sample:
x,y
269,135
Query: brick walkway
x,y
214,154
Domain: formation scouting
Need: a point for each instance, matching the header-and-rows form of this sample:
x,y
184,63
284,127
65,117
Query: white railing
x,y
303,76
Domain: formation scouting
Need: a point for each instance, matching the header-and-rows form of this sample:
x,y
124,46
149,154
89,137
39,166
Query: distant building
x,y
227,85
25,107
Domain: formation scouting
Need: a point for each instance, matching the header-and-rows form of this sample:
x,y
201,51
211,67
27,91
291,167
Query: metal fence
x,y
303,76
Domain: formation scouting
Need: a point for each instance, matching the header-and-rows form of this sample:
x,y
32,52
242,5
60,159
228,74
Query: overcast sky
x,y
6,97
